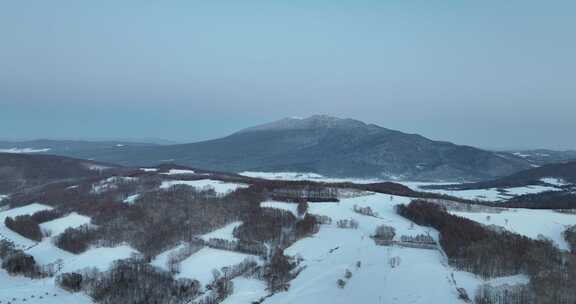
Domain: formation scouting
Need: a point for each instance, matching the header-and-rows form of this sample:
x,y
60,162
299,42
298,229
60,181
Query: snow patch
x,y
290,207
149,169
58,226
220,187
528,222
131,199
178,171
554,181
301,176
24,150
199,266
110,183
246,291
225,233
488,195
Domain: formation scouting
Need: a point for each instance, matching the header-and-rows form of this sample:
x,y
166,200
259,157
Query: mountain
x,y
561,174
325,145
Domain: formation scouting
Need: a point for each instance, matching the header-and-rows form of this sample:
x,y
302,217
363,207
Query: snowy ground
x,y
149,169
388,274
491,194
131,199
45,252
554,181
220,187
43,291
528,222
299,176
24,150
199,266
246,291
18,240
225,233
58,226
178,172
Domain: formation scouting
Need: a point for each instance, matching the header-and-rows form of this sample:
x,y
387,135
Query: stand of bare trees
x,y
488,253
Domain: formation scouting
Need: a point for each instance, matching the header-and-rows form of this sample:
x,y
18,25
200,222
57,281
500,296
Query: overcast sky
x,y
491,73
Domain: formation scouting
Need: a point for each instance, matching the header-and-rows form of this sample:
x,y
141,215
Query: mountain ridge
x,y
326,145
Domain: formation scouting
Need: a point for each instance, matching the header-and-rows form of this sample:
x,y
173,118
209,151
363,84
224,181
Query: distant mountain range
x,y
540,157
558,174
18,171
321,144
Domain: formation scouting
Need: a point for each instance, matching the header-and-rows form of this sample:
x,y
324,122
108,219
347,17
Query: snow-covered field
x,y
58,226
178,172
42,291
300,176
131,199
24,150
17,289
149,169
491,194
225,233
387,274
380,274
246,291
220,187
5,233
528,222
199,266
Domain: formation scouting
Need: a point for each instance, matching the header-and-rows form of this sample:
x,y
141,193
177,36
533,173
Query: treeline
x,y
570,237
160,219
311,193
275,226
17,262
77,240
25,226
29,225
131,281
543,200
505,294
477,249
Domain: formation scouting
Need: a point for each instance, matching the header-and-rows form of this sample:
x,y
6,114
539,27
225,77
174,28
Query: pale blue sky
x,y
487,73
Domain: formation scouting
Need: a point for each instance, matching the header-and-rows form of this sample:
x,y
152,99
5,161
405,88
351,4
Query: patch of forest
x,y
475,248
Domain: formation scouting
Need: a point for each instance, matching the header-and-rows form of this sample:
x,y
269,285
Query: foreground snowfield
x,y
387,274
380,274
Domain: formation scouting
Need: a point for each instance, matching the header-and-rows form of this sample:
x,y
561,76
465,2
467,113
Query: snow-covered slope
x,y
7,234
387,274
528,222
45,252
